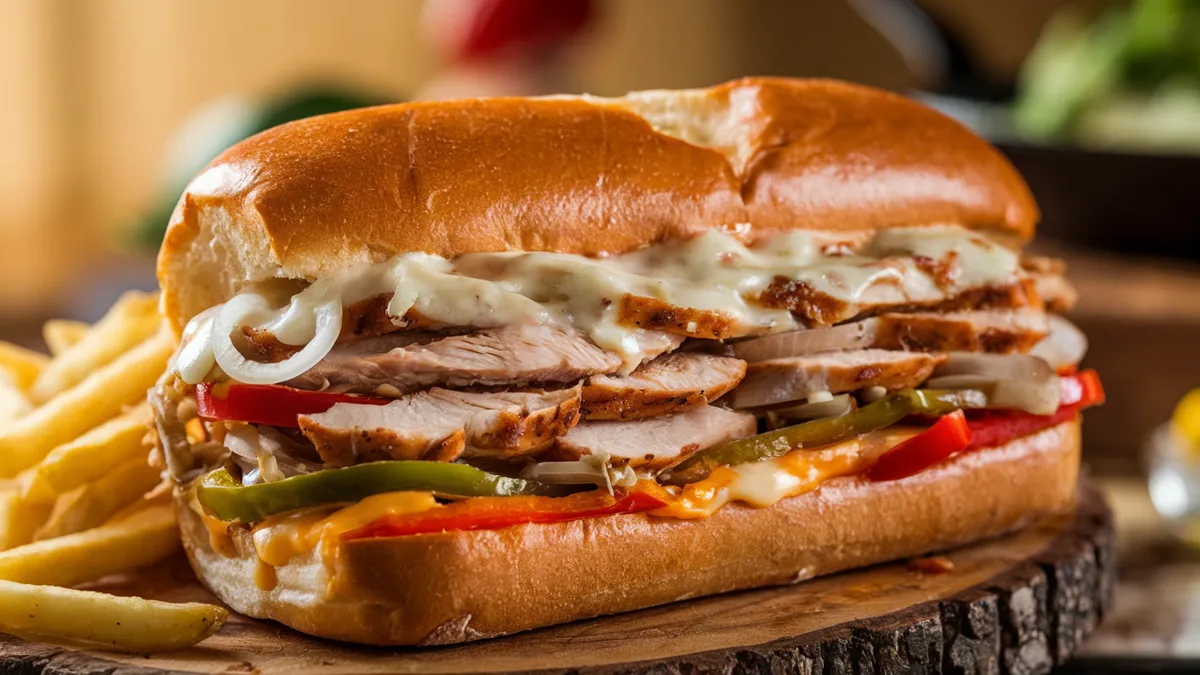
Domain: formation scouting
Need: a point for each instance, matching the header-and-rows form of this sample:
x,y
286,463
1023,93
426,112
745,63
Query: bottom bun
x,y
458,586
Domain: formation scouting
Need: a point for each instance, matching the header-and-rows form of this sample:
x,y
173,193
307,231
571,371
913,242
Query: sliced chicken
x,y
997,331
1041,264
819,309
791,379
1049,277
517,355
1058,293
370,318
669,383
658,315
657,442
441,424
653,343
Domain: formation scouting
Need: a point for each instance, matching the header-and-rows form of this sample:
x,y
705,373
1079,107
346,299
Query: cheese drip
x,y
766,483
712,271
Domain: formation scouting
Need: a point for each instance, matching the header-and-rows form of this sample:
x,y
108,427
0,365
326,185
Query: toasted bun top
x,y
577,175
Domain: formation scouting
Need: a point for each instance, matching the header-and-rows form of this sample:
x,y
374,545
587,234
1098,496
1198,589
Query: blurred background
x,y
111,105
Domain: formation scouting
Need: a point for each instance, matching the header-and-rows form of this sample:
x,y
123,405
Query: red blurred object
x,y
500,24
478,29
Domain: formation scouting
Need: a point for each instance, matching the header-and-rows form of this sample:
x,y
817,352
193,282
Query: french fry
x,y
33,488
92,504
91,456
150,500
62,334
23,364
20,519
116,547
90,619
13,402
130,321
97,398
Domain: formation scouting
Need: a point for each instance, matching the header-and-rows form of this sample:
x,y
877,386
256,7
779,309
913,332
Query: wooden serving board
x,y
1020,604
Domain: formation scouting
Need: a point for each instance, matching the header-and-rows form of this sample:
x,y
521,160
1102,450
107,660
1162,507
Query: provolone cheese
x,y
768,482
712,271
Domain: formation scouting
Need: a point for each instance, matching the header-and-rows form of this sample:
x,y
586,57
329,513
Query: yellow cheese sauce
x,y
712,271
281,538
768,482
218,535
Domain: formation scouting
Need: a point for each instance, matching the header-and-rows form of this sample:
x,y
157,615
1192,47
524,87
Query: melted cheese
x,y
264,576
218,535
765,483
281,538
712,271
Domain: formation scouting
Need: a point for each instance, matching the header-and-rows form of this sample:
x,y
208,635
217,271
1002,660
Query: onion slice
x,y
857,335
587,470
960,382
242,440
195,359
1065,345
250,309
835,407
1017,381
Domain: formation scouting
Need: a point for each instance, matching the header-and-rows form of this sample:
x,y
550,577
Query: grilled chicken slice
x,y
670,383
996,331
1050,278
1058,293
659,315
441,424
657,442
819,309
517,355
790,379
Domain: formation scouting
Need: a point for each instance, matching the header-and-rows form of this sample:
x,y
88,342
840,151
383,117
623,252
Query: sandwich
x,y
452,370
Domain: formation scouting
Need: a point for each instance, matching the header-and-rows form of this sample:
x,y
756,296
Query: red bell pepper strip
x,y
984,430
1082,389
268,404
947,436
997,427
493,513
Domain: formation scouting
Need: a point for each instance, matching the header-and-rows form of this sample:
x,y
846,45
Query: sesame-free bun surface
x,y
458,586
578,175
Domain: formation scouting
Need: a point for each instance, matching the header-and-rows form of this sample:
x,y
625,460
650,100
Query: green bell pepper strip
x,y
226,498
882,413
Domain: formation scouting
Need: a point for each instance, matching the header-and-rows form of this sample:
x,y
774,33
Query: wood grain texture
x,y
1020,605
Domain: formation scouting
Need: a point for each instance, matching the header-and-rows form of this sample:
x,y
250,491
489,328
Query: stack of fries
x,y
79,496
